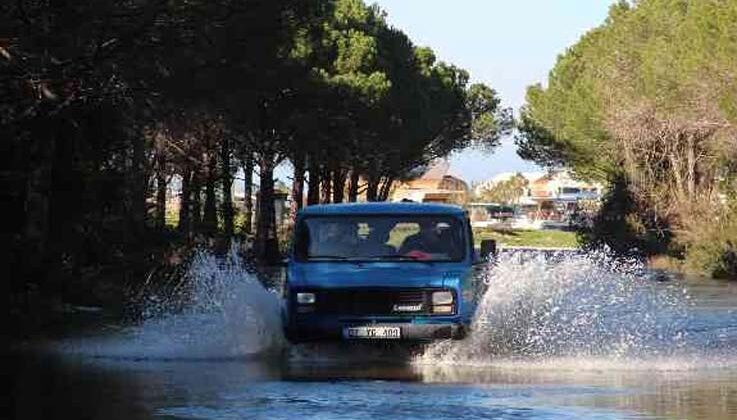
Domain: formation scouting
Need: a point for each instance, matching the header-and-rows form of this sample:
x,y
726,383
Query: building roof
x,y
382,208
437,171
504,176
531,177
564,177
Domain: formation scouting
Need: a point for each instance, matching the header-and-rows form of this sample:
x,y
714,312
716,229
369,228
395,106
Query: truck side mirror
x,y
488,248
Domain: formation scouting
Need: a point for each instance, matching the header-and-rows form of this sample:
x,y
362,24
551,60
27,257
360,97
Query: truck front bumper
x,y
305,330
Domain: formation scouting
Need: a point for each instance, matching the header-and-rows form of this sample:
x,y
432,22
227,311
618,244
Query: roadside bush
x,y
712,246
625,226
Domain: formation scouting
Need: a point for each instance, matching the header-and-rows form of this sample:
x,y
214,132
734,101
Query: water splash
x,y
574,310
221,311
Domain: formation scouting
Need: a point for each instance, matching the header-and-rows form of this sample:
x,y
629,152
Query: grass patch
x,y
533,238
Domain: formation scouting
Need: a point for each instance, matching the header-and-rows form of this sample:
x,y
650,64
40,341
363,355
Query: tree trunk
x,y
353,187
298,183
372,189
227,181
691,167
326,185
386,188
210,216
195,215
185,204
248,194
139,187
339,176
267,245
675,164
38,213
313,193
160,191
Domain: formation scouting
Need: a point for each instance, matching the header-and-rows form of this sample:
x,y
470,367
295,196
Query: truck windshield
x,y
380,237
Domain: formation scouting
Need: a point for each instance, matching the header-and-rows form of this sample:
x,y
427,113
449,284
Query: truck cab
x,y
381,271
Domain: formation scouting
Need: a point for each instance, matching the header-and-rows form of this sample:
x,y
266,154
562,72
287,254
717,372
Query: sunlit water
x,y
567,336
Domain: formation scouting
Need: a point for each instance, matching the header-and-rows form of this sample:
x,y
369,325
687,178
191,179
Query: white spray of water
x,y
579,311
227,314
574,310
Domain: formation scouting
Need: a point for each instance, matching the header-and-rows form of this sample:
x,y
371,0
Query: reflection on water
x,y
581,337
678,394
120,389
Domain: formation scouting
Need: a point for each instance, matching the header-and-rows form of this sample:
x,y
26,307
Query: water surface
x,y
573,337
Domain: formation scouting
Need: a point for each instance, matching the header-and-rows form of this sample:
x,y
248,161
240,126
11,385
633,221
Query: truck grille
x,y
374,302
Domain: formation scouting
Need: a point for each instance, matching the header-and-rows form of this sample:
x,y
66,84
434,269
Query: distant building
x,y
503,177
436,185
558,198
555,198
561,187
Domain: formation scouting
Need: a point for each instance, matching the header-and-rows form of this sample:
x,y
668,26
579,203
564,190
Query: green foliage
x,y
105,105
351,12
488,122
389,107
565,121
667,53
647,97
538,144
713,248
506,192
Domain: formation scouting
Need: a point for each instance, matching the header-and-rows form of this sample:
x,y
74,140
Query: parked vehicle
x,y
382,271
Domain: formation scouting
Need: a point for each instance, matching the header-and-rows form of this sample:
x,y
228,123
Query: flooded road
x,y
573,337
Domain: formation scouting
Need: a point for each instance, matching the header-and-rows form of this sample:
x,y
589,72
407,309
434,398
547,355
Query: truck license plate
x,y
372,332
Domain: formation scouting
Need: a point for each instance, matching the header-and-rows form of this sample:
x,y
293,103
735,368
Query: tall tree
x,y
647,99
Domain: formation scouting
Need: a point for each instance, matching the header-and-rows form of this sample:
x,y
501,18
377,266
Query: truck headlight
x,y
306,298
442,298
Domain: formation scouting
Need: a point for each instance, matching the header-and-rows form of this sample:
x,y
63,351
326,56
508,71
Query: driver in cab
x,y
424,244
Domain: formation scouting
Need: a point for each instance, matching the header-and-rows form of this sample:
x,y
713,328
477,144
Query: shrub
x,y
625,226
712,246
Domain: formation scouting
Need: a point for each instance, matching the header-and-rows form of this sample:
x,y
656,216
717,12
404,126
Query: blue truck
x,y
382,271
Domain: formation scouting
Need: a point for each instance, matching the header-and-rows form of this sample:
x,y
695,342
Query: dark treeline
x,y
107,105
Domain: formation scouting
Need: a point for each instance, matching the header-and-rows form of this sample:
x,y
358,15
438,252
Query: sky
x,y
506,44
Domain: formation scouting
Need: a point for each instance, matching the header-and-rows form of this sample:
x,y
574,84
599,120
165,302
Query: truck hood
x,y
373,274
